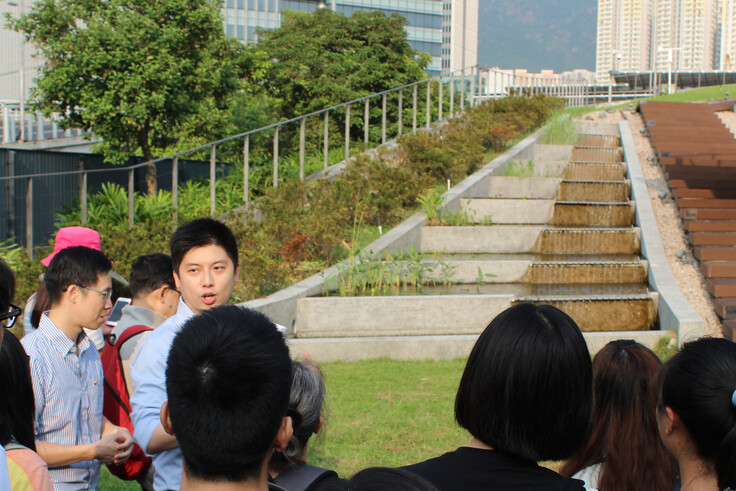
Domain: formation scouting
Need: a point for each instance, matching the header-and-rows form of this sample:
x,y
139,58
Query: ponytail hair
x,y
699,384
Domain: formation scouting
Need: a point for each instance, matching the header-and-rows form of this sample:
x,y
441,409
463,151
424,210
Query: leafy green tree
x,y
323,58
146,76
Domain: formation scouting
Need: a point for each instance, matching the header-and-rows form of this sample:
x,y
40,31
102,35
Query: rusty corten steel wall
x,y
698,156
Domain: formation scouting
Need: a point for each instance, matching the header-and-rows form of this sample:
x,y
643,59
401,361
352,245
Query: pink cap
x,y
71,237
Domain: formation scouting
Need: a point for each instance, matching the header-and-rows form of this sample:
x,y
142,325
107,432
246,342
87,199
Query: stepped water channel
x,y
565,236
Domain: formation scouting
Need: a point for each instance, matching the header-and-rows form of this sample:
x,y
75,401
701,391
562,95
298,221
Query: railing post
x,y
462,92
29,217
39,126
401,111
366,122
439,107
326,142
276,157
302,146
246,171
347,132
213,177
10,190
414,110
131,198
472,87
452,94
383,119
429,108
83,198
175,189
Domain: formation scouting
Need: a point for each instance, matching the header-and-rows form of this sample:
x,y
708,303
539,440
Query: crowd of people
x,y
187,392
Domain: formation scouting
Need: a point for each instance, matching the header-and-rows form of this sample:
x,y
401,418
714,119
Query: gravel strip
x,y
687,273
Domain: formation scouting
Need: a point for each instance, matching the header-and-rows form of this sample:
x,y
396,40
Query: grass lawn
x,y
379,412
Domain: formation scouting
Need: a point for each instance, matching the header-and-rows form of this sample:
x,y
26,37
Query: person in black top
x,y
288,468
525,396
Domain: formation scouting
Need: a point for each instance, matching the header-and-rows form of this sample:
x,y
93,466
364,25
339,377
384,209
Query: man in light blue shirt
x,y
205,258
72,435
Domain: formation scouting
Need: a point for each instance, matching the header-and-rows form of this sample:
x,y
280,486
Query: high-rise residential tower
x,y
689,29
643,35
624,36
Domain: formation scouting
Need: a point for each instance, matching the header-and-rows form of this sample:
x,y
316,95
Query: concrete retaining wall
x,y
281,306
675,312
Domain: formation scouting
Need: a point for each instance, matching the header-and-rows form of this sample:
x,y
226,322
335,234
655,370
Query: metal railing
x,y
18,125
450,92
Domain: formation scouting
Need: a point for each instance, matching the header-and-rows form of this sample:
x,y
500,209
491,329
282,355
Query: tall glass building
x,y
446,29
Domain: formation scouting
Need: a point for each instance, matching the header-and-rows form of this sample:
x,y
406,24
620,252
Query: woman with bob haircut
x,y
525,396
696,413
623,451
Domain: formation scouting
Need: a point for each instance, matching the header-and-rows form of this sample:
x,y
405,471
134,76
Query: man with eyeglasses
x,y
72,434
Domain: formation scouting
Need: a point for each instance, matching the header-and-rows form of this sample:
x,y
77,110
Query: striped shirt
x,y
67,384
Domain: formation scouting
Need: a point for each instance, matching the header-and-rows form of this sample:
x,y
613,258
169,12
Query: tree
x,y
323,58
146,76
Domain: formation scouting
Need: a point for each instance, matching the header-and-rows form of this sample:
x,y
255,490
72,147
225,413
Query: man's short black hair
x,y
228,378
150,273
199,233
74,266
527,388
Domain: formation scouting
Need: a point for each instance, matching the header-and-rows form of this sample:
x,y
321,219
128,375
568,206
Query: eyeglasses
x,y
107,293
10,316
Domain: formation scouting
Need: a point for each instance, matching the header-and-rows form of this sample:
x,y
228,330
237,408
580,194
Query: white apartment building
x,y
689,29
624,36
682,35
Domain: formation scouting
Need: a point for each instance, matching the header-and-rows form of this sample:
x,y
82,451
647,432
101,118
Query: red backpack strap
x,y
112,363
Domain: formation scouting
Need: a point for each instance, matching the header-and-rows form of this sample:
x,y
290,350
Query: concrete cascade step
x,y
543,211
721,287
581,171
603,214
589,241
594,191
712,239
603,314
529,238
584,140
712,253
726,307
526,268
429,347
596,154
522,187
718,269
431,315
711,226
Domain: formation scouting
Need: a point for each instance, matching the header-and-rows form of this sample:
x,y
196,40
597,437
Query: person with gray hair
x,y
289,467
